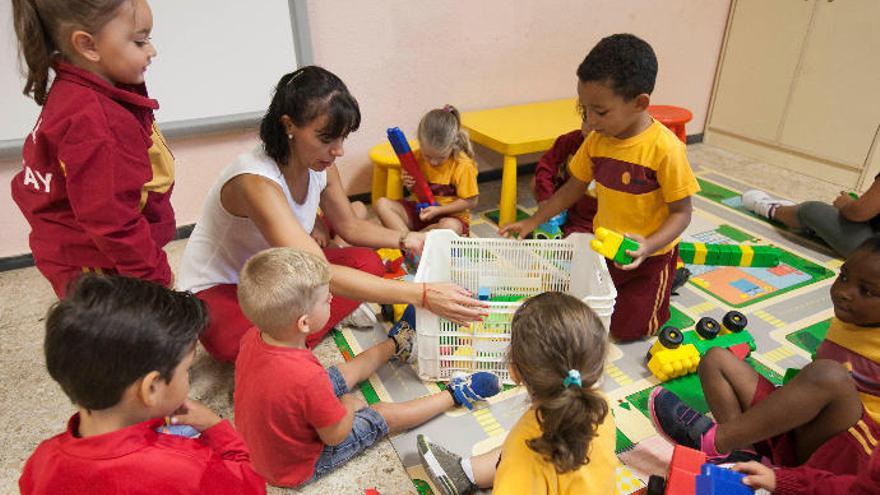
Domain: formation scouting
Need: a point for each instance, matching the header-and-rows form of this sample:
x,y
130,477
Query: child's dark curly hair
x,y
623,61
552,334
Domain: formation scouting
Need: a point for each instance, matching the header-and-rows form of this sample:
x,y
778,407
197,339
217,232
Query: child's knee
x,y
451,224
714,360
360,209
382,204
828,375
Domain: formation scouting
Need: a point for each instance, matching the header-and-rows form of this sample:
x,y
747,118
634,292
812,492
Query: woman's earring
x,y
290,137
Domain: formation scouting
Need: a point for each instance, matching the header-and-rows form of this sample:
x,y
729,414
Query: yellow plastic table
x,y
519,130
386,171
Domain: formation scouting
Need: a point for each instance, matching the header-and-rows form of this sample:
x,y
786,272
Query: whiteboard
x,y
216,58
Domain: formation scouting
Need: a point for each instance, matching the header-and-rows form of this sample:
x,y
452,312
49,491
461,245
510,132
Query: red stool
x,y
672,117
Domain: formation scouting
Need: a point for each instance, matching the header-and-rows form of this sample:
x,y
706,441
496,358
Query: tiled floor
x,y
34,408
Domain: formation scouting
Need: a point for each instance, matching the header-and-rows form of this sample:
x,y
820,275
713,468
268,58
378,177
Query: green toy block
x,y
765,256
726,340
735,255
627,245
686,252
789,374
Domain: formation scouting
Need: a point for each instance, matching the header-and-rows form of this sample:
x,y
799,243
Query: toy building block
x,y
698,253
551,229
683,471
483,294
392,259
672,363
789,374
408,163
741,351
613,246
714,480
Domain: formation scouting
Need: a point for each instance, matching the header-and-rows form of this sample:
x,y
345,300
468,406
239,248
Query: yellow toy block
x,y
606,242
389,254
747,255
700,252
398,311
667,364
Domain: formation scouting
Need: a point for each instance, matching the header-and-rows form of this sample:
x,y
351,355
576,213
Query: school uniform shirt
x,y
138,460
282,396
635,179
858,349
522,470
96,178
805,480
455,178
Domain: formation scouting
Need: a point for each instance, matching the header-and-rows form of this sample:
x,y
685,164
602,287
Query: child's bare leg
x,y
446,223
484,466
728,384
787,215
820,402
392,214
402,416
366,363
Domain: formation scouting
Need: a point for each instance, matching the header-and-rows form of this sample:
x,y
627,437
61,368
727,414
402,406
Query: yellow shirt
x,y
635,178
453,179
858,349
522,470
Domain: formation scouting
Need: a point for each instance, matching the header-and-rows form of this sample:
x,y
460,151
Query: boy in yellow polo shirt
x,y
643,180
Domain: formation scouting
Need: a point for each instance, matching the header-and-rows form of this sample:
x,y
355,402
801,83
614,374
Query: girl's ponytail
x,y
441,129
36,48
557,348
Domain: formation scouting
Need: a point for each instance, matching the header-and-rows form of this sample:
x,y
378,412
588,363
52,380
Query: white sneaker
x,y
761,203
361,317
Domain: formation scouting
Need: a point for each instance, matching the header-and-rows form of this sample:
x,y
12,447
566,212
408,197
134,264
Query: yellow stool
x,y
386,171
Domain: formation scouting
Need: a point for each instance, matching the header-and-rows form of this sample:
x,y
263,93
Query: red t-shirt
x,y
282,396
137,460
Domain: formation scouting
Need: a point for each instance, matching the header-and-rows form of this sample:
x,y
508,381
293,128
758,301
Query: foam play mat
x,y
788,308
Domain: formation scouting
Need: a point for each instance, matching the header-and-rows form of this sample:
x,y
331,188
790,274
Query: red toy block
x,y
683,471
371,491
741,351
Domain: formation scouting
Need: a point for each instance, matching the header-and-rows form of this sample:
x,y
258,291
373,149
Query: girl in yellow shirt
x,y
564,443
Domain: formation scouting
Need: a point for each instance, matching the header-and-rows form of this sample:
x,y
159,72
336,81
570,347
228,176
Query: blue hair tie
x,y
573,378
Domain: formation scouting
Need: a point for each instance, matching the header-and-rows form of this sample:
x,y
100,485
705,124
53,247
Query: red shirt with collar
x,y
138,460
96,179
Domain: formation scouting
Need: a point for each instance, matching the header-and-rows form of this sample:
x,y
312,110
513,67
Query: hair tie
x,y
447,108
573,378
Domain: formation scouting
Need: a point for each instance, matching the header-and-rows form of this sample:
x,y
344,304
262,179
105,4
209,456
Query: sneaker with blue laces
x,y
676,421
404,335
467,389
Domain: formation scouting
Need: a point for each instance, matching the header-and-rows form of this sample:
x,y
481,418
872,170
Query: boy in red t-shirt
x,y
121,349
300,420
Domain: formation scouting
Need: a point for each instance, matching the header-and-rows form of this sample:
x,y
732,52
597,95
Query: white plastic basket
x,y
506,268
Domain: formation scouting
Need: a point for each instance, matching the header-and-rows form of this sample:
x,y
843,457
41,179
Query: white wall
x,y
401,58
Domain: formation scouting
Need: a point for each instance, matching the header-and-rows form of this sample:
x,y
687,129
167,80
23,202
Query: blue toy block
x,y
714,480
179,430
483,293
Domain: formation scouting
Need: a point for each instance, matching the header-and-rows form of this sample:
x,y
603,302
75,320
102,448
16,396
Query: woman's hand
x,y
195,414
454,303
415,242
320,233
757,475
407,179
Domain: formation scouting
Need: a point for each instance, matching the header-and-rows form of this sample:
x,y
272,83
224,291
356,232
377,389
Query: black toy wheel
x,y
707,328
670,337
735,321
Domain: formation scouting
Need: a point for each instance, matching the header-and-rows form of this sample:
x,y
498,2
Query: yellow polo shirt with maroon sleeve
x,y
453,179
522,470
635,178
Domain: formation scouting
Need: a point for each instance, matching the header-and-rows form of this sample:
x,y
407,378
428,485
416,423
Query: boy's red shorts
x,y
418,224
844,453
642,304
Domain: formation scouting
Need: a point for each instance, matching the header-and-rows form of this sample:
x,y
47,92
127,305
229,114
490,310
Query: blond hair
x,y
279,285
441,129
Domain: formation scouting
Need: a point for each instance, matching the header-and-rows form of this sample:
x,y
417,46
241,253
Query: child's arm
x,y
679,217
319,232
337,433
459,205
863,209
802,480
221,437
567,195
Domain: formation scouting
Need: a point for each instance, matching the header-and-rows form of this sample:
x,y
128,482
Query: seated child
x,y
801,481
446,159
843,225
824,419
300,420
552,172
644,182
121,350
564,443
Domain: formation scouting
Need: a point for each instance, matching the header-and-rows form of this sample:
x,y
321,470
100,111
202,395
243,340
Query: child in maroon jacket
x,y
96,175
551,173
121,349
